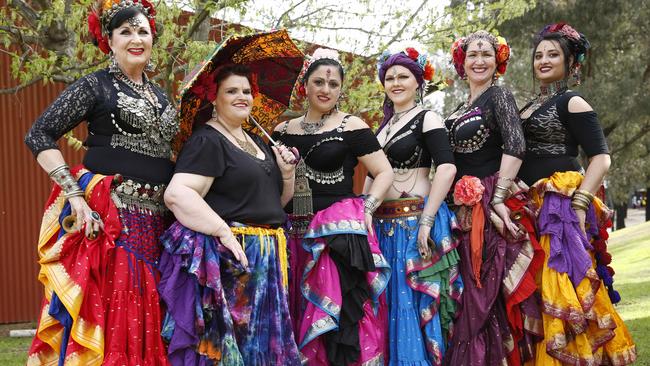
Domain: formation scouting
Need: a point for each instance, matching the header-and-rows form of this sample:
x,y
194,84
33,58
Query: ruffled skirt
x,y
101,305
581,326
423,294
220,313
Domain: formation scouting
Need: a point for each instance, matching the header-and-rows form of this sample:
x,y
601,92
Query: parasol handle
x,y
293,150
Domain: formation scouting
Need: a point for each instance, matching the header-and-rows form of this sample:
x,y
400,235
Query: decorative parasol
x,y
274,60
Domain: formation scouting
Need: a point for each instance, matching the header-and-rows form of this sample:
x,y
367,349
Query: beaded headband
x,y
501,48
103,12
319,54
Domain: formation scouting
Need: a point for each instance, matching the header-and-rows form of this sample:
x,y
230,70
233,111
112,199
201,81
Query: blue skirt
x,y
422,293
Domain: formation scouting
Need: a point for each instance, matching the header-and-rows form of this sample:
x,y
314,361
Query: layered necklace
x,y
144,90
547,92
310,128
246,145
395,119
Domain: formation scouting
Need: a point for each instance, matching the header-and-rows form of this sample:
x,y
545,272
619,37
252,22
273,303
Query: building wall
x,y
24,188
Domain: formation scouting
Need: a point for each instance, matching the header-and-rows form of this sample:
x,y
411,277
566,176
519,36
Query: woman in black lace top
x,y
498,310
580,324
100,276
337,271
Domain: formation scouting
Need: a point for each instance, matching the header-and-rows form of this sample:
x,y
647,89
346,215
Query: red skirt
x,y
100,302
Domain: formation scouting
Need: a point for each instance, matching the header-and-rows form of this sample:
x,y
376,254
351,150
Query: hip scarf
x,y
344,318
580,323
220,313
499,319
80,277
422,293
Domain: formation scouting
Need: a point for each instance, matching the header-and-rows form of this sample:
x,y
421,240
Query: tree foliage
x,y
47,40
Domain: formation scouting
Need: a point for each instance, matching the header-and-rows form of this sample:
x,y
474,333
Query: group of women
x,y
464,265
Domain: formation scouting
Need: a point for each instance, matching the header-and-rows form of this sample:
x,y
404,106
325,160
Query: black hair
x,y
323,62
569,56
233,69
124,15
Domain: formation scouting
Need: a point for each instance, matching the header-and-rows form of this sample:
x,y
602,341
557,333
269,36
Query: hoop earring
x,y
113,67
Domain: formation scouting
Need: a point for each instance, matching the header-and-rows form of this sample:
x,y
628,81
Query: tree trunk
x,y
621,214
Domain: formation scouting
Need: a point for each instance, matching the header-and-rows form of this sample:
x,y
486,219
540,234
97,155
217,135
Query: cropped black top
x,y
331,157
127,133
553,135
483,131
411,148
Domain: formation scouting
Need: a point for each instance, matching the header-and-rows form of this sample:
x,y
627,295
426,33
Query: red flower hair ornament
x,y
206,88
501,48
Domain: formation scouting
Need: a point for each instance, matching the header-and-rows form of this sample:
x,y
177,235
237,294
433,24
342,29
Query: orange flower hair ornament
x,y
103,12
501,51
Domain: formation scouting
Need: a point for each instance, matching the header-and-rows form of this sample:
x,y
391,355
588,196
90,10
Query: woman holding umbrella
x,y
337,267
224,264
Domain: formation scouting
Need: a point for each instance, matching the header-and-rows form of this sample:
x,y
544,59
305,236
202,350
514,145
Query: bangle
x,y
427,220
584,193
500,194
370,204
63,178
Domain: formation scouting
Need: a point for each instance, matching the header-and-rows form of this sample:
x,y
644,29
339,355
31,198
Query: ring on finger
x,y
95,216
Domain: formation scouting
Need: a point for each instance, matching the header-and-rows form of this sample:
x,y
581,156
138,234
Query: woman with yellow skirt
x,y
581,326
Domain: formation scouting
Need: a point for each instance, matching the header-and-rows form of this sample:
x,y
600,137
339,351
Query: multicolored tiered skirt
x,y
581,326
499,321
422,294
343,309
101,305
219,313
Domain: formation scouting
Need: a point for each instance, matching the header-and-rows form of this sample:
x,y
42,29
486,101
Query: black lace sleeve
x,y
66,112
507,118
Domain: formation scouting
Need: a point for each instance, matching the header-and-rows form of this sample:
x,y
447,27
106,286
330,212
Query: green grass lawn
x,y
631,251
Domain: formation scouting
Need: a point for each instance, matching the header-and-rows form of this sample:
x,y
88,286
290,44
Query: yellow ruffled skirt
x,y
581,326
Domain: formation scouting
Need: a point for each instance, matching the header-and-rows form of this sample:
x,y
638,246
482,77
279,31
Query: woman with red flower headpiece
x,y
224,276
99,244
580,323
417,232
499,317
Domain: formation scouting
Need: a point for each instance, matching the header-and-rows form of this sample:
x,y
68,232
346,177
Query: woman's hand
x,y
229,241
87,219
367,218
582,217
504,213
286,160
423,241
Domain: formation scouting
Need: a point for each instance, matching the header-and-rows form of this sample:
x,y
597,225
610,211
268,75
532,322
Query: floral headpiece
x,y
319,54
578,43
103,12
205,86
501,48
420,58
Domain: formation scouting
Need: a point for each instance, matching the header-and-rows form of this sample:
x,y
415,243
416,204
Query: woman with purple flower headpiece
x,y
580,323
416,231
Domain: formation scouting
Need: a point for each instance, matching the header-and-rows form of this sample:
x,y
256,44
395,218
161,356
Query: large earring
x,y
576,74
150,67
113,67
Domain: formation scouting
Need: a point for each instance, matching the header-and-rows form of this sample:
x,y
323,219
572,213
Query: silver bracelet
x,y
63,178
370,204
427,220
